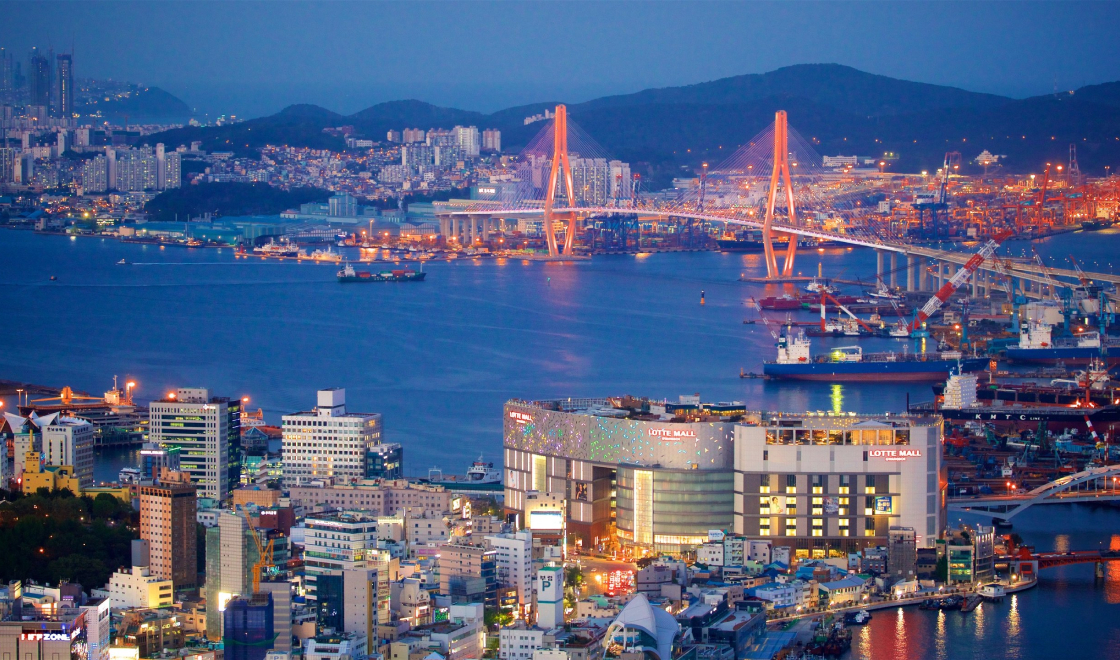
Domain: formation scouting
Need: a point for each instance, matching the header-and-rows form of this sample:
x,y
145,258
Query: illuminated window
x,y
843,490
818,532
818,511
764,531
791,489
818,489
843,501
764,489
818,500
818,522
843,511
791,531
764,501
843,522
870,490
869,511
869,532
791,501
844,532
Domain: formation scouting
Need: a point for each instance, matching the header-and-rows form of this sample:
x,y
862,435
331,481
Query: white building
x,y
201,427
781,595
466,138
550,597
515,563
328,442
69,441
137,587
338,646
520,642
98,627
341,544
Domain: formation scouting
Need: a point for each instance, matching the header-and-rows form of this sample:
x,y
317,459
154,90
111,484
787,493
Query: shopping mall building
x,y
657,477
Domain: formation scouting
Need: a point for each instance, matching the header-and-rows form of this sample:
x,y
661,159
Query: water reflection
x,y
837,398
1061,543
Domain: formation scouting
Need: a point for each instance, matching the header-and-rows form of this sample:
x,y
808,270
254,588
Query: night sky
x,y
250,58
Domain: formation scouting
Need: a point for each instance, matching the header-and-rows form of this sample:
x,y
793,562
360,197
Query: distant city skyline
x,y
250,59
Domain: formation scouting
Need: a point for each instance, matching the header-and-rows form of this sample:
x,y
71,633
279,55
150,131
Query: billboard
x,y
883,506
546,520
831,506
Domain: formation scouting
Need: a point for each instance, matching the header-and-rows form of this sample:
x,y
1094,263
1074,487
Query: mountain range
x,y
843,110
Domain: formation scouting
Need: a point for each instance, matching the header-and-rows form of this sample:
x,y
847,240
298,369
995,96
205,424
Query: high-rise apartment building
x,y
491,140
393,136
137,170
167,523
69,441
621,181
515,563
65,86
173,171
466,138
328,442
207,431
413,135
95,175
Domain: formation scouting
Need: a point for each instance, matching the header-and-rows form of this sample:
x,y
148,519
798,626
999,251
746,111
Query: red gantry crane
x,y
960,277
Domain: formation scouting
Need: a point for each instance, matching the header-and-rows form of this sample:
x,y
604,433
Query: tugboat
x,y
857,618
849,363
348,274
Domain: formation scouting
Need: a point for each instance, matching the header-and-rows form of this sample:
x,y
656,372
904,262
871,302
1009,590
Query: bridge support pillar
x,y
879,263
910,266
923,276
444,228
894,269
455,229
1099,569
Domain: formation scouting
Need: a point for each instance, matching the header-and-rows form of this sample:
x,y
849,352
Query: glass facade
x,y
672,510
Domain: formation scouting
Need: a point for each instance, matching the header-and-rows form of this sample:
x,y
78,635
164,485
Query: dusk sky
x,y
252,58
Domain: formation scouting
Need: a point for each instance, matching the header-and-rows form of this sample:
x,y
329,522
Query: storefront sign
x,y
520,417
894,454
672,433
46,637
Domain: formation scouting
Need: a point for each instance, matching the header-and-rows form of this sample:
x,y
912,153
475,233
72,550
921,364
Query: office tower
x,y
173,177
39,79
155,458
7,77
230,555
385,460
333,544
65,86
492,139
249,627
167,523
69,441
95,175
468,574
327,441
466,138
207,431
515,563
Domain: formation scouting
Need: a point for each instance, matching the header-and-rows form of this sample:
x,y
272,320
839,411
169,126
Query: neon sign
x,y
520,417
672,433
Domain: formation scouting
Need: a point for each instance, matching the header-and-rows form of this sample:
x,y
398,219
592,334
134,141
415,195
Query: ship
x,y
274,249
481,476
1095,225
745,241
1036,344
348,274
850,363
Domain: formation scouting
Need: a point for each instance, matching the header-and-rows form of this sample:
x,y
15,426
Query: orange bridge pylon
x,y
780,173
559,164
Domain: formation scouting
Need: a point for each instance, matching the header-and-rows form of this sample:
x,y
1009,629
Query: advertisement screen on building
x,y
883,506
546,520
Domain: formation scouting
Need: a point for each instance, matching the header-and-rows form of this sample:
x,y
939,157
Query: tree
x,y
941,573
78,568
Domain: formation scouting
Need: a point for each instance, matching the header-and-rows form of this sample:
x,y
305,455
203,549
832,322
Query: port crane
x,y
960,277
825,296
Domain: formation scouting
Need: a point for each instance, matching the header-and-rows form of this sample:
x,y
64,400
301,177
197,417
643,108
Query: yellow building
x,y
36,476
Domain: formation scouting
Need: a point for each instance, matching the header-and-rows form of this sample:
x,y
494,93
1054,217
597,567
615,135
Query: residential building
x,y
466,139
98,627
35,475
521,641
168,514
335,646
65,78
328,441
843,592
902,557
95,175
468,573
207,431
380,498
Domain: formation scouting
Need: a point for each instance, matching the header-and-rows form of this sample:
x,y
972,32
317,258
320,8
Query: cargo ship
x,y
348,274
1036,344
850,363
274,249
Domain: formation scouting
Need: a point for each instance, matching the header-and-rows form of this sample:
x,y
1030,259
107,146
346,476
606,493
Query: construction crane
x,y
67,397
264,554
826,296
774,332
960,277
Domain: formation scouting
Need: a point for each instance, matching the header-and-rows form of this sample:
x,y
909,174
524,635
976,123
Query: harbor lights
x,y
128,387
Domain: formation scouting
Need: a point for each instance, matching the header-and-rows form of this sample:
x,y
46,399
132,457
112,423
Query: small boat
x,y
122,262
857,618
53,278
